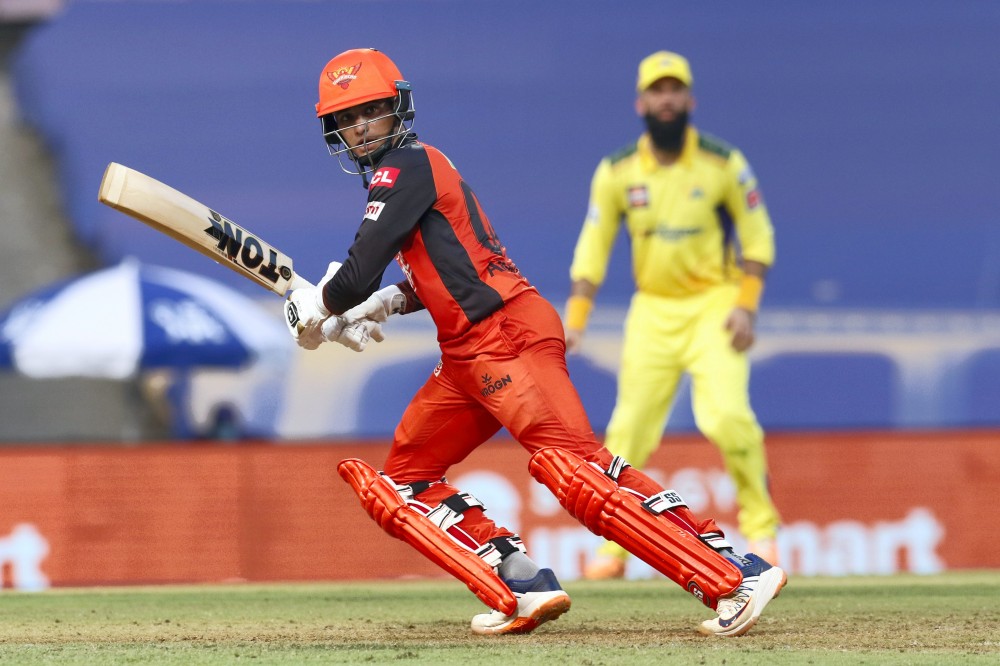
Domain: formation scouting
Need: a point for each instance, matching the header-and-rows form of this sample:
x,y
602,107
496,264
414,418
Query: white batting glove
x,y
310,340
379,305
353,335
309,308
305,311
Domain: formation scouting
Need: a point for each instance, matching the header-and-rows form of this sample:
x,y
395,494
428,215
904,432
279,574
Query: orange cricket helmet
x,y
356,77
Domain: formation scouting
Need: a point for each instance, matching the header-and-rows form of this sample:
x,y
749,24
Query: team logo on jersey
x,y
753,198
491,385
343,76
638,196
373,210
384,177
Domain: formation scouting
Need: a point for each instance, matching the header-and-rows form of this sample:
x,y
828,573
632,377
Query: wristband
x,y
578,312
751,288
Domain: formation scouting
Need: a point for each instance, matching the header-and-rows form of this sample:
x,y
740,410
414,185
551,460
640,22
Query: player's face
x,y
364,127
665,100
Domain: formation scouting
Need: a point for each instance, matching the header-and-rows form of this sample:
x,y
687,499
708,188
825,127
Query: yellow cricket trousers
x,y
664,338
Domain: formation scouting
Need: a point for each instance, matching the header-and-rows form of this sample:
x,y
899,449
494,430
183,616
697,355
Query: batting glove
x,y
305,311
353,335
379,305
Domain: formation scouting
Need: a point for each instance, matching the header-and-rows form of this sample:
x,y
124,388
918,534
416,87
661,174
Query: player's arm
x,y
592,253
394,208
756,235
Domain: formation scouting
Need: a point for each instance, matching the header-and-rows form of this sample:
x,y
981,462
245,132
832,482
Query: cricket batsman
x,y
502,366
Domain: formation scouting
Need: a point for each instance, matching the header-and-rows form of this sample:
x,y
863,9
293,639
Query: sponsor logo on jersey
x,y
671,234
638,196
373,210
344,75
492,386
438,368
753,198
384,177
593,214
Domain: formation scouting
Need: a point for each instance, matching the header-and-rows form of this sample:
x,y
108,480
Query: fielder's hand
x,y
574,340
741,323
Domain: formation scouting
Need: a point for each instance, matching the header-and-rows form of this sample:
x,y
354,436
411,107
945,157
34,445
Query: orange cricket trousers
x,y
509,370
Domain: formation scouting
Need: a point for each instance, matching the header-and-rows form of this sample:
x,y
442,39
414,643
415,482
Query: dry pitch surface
x,y
947,619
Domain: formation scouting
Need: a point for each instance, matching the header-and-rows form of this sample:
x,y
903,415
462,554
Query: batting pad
x,y
387,508
603,508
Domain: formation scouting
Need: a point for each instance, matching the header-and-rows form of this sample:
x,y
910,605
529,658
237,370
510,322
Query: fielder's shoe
x,y
739,611
539,600
606,567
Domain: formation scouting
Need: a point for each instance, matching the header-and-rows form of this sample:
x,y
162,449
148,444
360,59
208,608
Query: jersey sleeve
x,y
746,205
401,191
600,228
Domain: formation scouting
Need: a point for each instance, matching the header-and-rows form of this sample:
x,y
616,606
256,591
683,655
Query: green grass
x,y
947,619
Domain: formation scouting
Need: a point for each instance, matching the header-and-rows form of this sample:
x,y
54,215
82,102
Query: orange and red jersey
x,y
424,215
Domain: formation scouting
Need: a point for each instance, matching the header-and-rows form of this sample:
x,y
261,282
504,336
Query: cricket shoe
x,y
539,600
739,611
607,567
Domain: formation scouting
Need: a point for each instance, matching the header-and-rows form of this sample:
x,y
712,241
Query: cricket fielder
x,y
502,365
702,243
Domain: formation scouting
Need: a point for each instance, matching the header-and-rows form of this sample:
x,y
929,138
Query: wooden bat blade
x,y
199,227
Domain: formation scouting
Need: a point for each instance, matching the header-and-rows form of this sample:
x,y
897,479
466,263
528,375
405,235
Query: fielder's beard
x,y
667,135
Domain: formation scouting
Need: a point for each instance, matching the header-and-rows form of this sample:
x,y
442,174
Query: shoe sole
x,y
546,611
771,583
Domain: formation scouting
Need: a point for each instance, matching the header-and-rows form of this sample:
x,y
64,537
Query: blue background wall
x,y
872,126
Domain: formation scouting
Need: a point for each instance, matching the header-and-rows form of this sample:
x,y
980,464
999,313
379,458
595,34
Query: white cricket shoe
x,y
539,600
740,610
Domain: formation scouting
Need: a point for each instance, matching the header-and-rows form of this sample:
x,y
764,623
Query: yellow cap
x,y
662,64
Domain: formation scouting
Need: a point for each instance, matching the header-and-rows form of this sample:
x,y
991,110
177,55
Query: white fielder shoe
x,y
740,610
539,600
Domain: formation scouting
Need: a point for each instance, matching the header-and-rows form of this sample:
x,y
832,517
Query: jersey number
x,y
485,234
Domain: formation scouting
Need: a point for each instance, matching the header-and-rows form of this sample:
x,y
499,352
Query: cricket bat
x,y
203,229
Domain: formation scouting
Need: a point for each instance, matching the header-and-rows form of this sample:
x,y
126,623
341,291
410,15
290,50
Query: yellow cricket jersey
x,y
684,220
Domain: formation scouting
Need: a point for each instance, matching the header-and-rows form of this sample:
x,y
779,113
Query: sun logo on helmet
x,y
342,77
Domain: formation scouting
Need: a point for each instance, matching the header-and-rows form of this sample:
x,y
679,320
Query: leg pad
x,y
619,516
387,508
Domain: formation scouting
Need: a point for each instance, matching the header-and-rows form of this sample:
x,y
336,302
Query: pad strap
x,y
449,511
663,501
716,541
496,549
410,491
615,468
